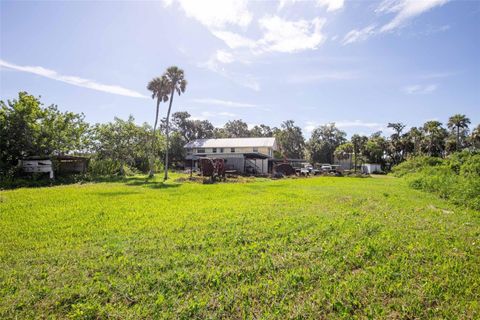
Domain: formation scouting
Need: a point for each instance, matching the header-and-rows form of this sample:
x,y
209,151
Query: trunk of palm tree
x,y
458,137
154,140
167,134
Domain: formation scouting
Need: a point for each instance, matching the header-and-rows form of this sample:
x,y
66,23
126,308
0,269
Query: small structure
x,y
370,168
54,165
40,165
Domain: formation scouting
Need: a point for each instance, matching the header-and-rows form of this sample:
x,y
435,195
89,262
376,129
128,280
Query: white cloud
x,y
358,123
290,36
224,57
342,124
405,10
330,5
76,81
358,35
226,103
326,76
216,14
420,89
234,40
279,35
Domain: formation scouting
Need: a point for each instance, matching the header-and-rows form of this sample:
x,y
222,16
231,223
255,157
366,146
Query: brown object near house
x,y
285,169
212,167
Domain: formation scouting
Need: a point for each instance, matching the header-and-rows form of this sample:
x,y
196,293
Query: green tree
x,y
396,145
236,129
176,82
358,143
459,124
323,142
435,135
414,138
28,129
261,131
376,148
118,141
475,138
290,140
191,129
159,88
344,152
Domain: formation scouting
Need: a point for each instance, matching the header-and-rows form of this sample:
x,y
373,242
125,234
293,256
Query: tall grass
x,y
456,178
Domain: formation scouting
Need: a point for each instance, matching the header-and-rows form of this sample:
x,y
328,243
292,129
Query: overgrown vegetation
x,y
456,177
316,248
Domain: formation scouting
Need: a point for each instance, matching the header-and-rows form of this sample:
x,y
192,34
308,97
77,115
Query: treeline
x,y
27,128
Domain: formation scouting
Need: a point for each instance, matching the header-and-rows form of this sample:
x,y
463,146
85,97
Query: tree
x,y
323,142
191,129
456,123
435,136
414,139
358,143
290,140
261,131
236,129
475,138
28,129
375,148
176,82
396,148
159,88
121,141
344,152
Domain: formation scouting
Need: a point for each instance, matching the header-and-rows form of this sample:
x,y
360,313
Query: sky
x,y
360,64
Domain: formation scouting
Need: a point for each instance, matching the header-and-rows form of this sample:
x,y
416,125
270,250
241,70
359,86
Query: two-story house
x,y
244,155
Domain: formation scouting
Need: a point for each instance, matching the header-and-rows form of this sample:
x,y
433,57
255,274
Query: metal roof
x,y
231,143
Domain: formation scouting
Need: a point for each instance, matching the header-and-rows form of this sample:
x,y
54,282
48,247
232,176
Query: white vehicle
x,y
326,168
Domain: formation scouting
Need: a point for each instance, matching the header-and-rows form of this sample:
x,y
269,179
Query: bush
x,y
456,178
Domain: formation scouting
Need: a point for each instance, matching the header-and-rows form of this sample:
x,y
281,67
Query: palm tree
x,y
175,82
457,122
435,135
159,89
475,138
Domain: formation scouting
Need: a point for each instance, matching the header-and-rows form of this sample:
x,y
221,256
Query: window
x,y
255,149
232,149
221,150
214,150
200,150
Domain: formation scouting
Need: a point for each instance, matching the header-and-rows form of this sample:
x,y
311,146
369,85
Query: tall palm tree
x,y
160,91
457,122
176,82
435,135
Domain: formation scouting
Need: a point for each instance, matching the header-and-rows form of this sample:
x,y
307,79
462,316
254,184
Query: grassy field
x,y
300,248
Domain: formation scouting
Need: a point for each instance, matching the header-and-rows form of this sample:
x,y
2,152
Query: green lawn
x,y
298,248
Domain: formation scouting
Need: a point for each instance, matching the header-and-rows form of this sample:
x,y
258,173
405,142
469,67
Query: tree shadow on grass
x,y
116,193
142,182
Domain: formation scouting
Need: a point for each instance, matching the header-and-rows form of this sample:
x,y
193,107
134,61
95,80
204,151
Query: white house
x,y
244,155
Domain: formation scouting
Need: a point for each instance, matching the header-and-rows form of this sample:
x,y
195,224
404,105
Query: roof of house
x,y
231,143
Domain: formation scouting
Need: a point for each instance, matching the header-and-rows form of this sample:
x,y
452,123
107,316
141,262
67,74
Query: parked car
x,y
326,168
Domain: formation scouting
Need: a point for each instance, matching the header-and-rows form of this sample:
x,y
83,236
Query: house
x,y
243,155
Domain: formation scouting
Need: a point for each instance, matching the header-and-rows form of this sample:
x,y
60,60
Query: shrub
x,y
456,178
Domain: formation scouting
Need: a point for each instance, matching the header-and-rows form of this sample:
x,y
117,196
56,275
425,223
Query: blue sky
x,y
360,64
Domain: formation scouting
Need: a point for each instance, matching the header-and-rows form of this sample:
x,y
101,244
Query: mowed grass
x,y
299,248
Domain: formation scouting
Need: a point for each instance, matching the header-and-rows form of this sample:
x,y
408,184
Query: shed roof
x,y
231,143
